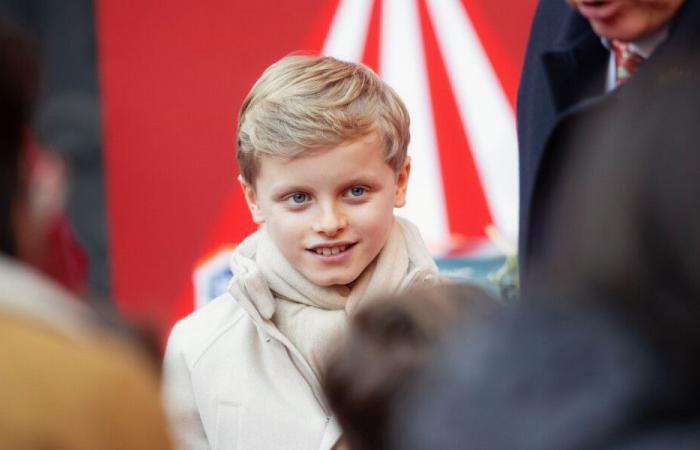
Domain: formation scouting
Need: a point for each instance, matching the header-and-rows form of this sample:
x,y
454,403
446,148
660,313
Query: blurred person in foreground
x,y
583,57
64,381
604,352
388,345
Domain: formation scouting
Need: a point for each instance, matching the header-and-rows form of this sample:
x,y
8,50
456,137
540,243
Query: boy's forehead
x,y
364,142
347,159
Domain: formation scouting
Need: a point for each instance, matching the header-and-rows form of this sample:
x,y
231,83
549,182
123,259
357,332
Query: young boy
x,y
322,155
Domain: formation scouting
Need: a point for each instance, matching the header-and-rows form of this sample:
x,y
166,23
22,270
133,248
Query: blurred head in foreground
x,y
388,345
64,381
18,78
603,354
33,224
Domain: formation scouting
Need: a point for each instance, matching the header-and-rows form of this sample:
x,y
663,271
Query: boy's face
x,y
329,212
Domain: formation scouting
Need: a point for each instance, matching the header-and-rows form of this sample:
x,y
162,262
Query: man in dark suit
x,y
571,74
603,355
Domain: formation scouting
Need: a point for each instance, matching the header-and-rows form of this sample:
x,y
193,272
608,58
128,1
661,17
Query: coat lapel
x,y
577,72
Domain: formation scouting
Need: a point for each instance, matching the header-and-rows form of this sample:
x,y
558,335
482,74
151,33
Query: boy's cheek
x,y
287,225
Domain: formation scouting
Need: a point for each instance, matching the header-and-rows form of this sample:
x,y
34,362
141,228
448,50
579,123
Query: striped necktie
x,y
626,62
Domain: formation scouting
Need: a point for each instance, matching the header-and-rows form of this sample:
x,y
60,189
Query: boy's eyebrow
x,y
283,188
361,178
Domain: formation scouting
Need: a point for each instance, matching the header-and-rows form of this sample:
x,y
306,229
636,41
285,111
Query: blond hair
x,y
311,102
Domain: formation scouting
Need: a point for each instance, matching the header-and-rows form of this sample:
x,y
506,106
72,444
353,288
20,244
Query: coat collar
x,y
576,67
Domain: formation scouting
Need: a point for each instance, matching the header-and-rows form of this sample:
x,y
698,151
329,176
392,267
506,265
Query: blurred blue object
x,y
491,272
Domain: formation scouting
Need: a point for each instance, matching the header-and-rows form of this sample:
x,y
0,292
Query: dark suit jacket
x,y
586,382
562,85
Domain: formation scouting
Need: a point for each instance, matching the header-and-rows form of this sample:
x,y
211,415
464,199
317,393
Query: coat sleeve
x,y
178,396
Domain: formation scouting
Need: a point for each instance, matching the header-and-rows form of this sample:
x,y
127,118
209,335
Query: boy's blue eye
x,y
299,198
357,191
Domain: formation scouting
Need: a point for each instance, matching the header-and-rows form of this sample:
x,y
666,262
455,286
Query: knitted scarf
x,y
312,316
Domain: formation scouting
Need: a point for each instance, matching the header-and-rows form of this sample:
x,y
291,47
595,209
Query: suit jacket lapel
x,y
578,72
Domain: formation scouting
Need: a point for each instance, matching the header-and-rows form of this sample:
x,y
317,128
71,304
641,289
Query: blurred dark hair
x,y
625,228
389,343
18,86
603,350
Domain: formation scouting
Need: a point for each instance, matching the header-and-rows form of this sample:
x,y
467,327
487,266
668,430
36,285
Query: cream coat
x,y
233,380
229,376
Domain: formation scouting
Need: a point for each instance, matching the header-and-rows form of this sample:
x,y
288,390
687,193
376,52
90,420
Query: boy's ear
x,y
252,200
402,183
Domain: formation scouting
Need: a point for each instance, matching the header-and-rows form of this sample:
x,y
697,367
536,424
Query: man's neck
x,y
643,46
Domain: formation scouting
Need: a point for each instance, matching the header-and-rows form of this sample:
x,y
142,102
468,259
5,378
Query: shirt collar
x,y
645,46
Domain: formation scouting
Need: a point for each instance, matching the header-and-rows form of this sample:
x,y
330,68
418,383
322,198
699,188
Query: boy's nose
x,y
330,221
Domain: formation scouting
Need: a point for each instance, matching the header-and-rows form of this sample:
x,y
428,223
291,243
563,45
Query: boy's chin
x,y
335,280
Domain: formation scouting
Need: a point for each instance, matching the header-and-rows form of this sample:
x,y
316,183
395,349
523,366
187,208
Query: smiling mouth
x,y
331,251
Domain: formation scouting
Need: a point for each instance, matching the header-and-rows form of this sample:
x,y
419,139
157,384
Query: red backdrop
x,y
173,76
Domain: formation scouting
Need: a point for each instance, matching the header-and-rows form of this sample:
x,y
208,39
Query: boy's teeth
x,y
328,251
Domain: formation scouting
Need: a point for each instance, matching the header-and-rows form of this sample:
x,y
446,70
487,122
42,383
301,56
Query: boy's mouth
x,y
331,250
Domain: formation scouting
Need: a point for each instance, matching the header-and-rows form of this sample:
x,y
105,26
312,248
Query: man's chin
x,y
626,26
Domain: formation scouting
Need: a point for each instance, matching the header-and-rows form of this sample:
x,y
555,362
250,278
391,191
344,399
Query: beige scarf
x,y
312,316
